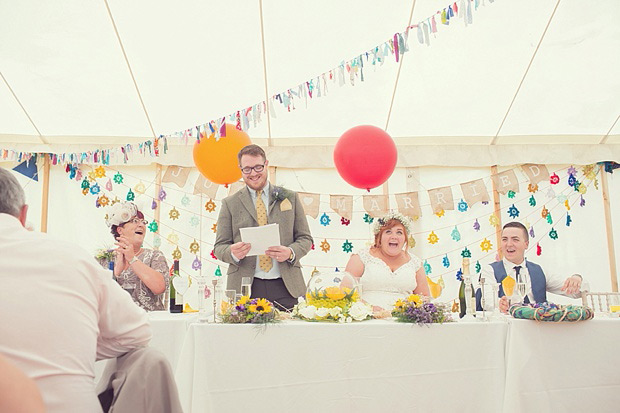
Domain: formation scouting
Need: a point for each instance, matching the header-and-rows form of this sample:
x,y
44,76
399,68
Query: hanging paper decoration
x,y
553,234
446,261
130,195
532,235
486,245
433,238
532,188
411,241
185,201
325,246
162,194
344,221
337,280
85,184
157,242
532,201
210,206
549,219
95,189
478,267
582,189
218,272
368,219
554,179
513,212
85,191
214,228
213,254
153,204
207,290
92,177
194,247
108,185
427,267
571,180
568,220
194,221
462,206
544,212
173,238
466,253
459,275
476,225
118,178
561,198
538,249
153,227
571,170
78,175
550,193
103,200
115,201
456,235
196,265
100,172
97,204
567,205
176,254
511,194
174,214
494,220
325,220
582,202
140,188
440,213
347,246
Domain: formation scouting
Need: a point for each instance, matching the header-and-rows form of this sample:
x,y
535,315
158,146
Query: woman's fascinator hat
x,y
381,222
121,213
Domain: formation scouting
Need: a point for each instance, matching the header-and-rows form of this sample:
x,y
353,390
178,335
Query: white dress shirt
x,y
554,282
59,312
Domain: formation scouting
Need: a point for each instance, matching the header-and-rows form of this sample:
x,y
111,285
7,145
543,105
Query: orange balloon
x,y
217,160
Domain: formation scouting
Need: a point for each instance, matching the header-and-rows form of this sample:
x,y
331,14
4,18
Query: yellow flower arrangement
x,y
332,304
262,306
249,310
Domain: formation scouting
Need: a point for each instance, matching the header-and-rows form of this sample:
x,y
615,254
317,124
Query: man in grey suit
x,y
276,275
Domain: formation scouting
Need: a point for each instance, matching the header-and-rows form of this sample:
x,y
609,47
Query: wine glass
x,y
246,286
230,299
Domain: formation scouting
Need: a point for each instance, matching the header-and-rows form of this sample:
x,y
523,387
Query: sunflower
x,y
262,306
243,300
415,299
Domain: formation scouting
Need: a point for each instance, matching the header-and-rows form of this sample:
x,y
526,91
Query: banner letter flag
x,y
506,181
342,205
29,169
441,199
535,173
375,205
408,204
310,203
206,187
177,175
475,191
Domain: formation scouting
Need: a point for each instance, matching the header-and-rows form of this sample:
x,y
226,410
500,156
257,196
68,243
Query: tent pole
x,y
272,174
46,191
158,177
262,39
610,234
386,193
497,211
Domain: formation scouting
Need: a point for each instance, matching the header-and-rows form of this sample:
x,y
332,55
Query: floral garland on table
x,y
551,312
415,309
404,220
339,304
249,311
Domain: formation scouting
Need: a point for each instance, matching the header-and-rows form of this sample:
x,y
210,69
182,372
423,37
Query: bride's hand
x,y
379,312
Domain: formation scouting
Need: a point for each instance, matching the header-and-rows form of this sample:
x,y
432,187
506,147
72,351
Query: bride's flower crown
x,y
381,222
120,213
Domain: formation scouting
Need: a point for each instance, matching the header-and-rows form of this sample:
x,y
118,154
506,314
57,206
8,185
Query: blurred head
x,y
12,197
515,241
253,164
124,218
392,237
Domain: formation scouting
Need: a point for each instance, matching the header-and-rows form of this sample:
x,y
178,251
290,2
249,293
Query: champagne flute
x,y
246,286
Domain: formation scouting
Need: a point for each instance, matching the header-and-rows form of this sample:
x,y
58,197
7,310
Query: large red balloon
x,y
365,156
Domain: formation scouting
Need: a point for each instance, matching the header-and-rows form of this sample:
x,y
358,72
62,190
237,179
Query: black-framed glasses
x,y
248,169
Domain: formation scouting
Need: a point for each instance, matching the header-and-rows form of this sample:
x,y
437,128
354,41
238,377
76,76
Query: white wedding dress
x,y
381,286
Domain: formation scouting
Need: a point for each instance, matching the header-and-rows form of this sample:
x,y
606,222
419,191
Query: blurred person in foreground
x,y
60,312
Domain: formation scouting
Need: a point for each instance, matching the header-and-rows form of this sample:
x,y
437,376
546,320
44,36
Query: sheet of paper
x,y
261,238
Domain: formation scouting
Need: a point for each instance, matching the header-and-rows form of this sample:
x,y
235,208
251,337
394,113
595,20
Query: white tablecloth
x,y
361,367
563,367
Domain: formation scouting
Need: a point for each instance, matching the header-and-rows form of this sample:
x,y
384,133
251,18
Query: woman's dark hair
x,y
113,229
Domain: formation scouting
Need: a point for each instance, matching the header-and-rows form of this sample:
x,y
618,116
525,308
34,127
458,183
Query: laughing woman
x,y
142,272
387,271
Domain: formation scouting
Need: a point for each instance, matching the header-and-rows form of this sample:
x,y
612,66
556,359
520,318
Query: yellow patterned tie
x,y
264,261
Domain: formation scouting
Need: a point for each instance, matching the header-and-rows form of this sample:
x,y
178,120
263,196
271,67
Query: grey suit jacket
x,y
238,211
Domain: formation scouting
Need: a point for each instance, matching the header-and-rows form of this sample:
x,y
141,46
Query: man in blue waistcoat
x,y
515,241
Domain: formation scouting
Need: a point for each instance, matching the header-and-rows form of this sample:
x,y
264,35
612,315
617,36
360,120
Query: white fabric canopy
x,y
82,75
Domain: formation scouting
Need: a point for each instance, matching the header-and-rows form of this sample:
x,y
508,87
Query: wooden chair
x,y
600,302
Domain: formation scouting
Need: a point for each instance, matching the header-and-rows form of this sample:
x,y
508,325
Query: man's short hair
x,y
515,224
12,197
252,150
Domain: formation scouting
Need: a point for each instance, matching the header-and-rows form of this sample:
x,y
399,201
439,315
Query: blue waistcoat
x,y
537,279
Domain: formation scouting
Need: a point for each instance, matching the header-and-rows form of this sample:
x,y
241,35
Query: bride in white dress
x,y
387,271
